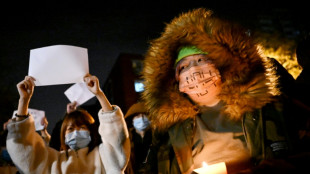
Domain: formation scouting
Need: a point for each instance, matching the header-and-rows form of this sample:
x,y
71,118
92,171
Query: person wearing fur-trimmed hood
x,y
212,97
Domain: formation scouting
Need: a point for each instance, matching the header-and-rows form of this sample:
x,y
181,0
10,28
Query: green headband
x,y
188,51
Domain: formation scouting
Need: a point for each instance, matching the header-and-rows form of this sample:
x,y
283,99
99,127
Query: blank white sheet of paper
x,y
58,64
37,115
79,93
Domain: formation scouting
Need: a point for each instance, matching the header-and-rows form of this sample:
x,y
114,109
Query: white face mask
x,y
141,123
78,139
201,83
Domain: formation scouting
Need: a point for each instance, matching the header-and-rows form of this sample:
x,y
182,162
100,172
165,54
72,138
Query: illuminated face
x,y
199,79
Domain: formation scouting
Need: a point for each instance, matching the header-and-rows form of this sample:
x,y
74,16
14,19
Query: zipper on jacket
x,y
147,155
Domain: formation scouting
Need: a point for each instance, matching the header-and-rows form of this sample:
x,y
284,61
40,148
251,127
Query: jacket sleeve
x,y
115,146
27,149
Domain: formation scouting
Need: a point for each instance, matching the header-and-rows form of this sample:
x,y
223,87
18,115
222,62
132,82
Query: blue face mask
x,y
141,123
78,139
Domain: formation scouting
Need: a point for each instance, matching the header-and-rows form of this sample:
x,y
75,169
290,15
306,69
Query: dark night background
x,y
109,28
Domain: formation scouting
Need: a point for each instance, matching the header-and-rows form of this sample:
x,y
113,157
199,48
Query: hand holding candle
x,y
218,168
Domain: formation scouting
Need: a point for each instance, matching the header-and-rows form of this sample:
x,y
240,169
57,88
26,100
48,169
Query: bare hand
x,y
44,123
71,107
25,88
45,135
92,84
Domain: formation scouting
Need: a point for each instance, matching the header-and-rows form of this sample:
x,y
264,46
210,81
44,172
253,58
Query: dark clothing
x,y
140,148
55,137
302,88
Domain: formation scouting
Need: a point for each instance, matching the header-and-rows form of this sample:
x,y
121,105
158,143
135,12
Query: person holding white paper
x,y
78,154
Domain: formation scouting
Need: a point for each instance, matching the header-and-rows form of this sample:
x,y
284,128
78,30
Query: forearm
x,y
22,108
115,139
112,124
104,102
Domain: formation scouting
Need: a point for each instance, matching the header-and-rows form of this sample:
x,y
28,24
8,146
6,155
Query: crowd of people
x,y
80,151
210,96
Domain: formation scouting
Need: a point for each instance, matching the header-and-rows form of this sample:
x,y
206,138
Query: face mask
x,y
78,139
201,83
141,123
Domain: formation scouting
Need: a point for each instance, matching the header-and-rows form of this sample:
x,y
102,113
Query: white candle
x,y
218,168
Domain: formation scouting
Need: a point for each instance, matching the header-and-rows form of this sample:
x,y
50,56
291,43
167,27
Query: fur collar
x,y
248,78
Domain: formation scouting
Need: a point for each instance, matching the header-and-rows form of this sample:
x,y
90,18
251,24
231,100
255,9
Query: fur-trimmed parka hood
x,y
248,79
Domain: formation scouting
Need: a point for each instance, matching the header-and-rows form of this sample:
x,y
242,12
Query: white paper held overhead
x,y
79,93
58,64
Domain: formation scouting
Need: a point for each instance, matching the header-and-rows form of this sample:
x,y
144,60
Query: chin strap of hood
x,y
248,78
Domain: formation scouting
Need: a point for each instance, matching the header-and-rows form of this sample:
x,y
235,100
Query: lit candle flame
x,y
218,168
204,164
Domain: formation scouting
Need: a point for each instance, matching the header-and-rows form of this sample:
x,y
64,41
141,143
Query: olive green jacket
x,y
265,131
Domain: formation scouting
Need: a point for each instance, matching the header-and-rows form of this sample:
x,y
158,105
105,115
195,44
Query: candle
x,y
218,168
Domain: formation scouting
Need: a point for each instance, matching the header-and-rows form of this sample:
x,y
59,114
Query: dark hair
x,y
79,117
